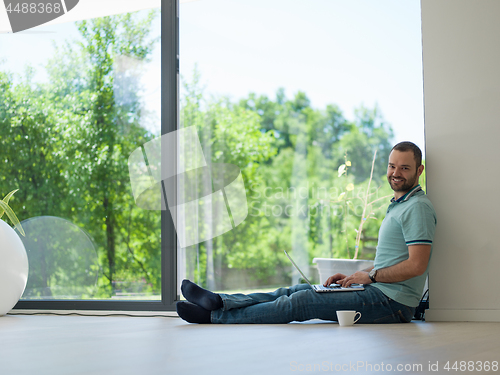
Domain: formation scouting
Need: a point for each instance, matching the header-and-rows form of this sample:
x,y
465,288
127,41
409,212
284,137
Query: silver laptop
x,y
318,288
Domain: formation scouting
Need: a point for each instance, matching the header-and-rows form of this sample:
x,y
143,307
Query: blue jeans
x,y
301,302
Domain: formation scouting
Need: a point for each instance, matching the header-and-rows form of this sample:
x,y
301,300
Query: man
x,y
393,286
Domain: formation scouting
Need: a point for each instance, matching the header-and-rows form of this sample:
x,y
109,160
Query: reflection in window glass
x,y
72,111
306,99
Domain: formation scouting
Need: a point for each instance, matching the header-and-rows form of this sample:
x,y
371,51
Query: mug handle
x,y
359,317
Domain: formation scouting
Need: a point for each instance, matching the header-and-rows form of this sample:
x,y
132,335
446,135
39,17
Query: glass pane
x,y
76,101
305,99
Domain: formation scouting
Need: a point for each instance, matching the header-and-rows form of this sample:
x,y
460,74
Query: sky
x,y
343,52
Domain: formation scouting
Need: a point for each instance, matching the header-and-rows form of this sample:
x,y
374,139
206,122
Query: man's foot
x,y
201,297
192,313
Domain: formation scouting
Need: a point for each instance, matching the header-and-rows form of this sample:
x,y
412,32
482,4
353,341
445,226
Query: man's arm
x,y
415,265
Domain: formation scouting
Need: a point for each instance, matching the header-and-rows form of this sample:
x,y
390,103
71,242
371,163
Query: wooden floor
x,y
45,344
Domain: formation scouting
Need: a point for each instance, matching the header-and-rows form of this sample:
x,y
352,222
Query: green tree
x,y
65,145
110,135
308,147
229,134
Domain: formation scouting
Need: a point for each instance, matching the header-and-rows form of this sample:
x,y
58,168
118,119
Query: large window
x,y
76,101
299,95
273,114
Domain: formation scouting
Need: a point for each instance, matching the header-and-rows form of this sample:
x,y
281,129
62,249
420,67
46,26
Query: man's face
x,y
402,172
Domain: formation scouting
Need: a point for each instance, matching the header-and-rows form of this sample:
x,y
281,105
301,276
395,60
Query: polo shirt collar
x,y
408,195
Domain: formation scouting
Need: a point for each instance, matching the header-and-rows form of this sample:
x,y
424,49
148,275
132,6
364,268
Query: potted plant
x,y
13,259
329,266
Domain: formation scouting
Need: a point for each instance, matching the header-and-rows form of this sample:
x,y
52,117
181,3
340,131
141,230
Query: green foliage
x,y
289,153
5,208
65,145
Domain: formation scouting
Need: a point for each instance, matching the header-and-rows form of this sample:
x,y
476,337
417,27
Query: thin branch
x,y
363,217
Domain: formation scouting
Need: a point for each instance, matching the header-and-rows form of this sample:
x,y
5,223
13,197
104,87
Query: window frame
x,y
169,123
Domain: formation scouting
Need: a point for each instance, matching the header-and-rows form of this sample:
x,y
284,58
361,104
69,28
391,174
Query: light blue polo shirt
x,y
410,220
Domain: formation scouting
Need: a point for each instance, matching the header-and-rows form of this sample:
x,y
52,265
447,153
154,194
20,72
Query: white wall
x,y
461,62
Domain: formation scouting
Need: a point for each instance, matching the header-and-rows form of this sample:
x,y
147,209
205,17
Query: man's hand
x,y
360,277
334,279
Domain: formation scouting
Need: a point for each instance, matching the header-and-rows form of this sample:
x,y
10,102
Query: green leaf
x,y
12,216
6,200
8,196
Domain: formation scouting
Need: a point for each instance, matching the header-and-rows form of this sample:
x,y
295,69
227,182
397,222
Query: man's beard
x,y
406,186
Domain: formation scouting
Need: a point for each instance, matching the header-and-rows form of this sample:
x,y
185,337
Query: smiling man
x,y
393,286
405,167
406,234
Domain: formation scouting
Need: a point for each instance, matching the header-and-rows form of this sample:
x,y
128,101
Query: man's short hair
x,y
409,146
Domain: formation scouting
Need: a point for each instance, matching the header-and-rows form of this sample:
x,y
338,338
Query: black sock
x,y
192,313
201,297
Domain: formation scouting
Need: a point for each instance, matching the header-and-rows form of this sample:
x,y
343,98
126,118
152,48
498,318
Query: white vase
x,y
14,268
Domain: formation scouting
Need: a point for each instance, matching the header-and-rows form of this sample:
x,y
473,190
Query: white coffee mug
x,y
347,317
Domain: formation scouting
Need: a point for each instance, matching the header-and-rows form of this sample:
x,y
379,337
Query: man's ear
x,y
420,170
